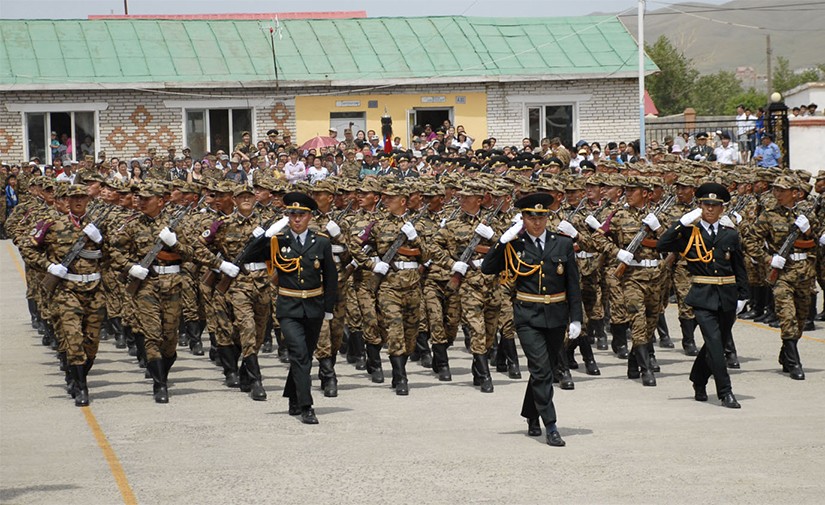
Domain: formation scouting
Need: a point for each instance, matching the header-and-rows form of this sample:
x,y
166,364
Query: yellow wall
x,y
312,112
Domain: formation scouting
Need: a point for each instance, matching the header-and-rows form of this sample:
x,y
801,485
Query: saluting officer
x,y
719,284
547,302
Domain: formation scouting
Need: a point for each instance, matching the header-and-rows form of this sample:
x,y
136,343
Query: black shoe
x,y
774,323
233,380
267,347
294,409
213,354
331,388
513,371
360,362
700,394
377,376
554,439
283,354
732,361
308,416
132,351
820,316
196,347
730,402
533,427
666,342
591,368
257,393
426,359
690,348
566,381
402,388
809,326
183,340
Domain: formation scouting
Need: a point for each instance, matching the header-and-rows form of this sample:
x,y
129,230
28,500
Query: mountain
x,y
706,37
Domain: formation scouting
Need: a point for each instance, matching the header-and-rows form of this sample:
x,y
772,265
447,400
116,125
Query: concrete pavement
x,y
446,442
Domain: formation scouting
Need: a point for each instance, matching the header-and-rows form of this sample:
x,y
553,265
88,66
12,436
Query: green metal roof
x,y
177,53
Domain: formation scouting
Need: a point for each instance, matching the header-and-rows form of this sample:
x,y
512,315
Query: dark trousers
x,y
716,329
542,348
300,337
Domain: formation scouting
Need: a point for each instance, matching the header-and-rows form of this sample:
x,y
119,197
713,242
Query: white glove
x,y
381,268
652,221
517,218
568,229
511,233
778,262
624,256
258,231
168,236
484,231
737,216
58,270
460,267
229,269
93,233
327,316
740,306
802,223
592,222
574,330
277,227
409,230
726,222
822,239
691,217
333,229
138,272
443,222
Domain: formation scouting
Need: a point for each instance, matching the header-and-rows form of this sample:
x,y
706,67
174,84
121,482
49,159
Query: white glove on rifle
x,y
691,217
484,231
568,229
93,233
333,229
592,222
277,227
381,268
624,256
574,330
409,230
443,222
652,221
802,223
460,267
778,262
511,233
517,218
822,239
58,270
168,237
726,222
737,216
229,269
327,316
258,231
740,306
138,272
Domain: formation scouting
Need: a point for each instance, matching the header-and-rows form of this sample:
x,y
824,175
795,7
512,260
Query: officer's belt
x,y
409,251
300,293
546,299
584,255
91,254
83,277
254,267
709,279
164,270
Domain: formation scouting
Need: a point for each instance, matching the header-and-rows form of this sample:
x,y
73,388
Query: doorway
x,y
431,116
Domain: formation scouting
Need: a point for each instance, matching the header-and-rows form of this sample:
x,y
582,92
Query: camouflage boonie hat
x,y
574,184
240,189
451,182
396,189
615,180
501,188
74,190
686,180
48,183
473,188
637,182
549,184
820,175
803,175
224,187
94,177
787,182
370,185
149,189
325,186
190,187
347,185
435,189
61,188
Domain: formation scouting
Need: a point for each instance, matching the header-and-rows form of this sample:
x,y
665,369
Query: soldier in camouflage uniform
x,y
351,168
193,317
819,208
795,274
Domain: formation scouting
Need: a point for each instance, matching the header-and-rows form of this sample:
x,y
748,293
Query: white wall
x,y
807,140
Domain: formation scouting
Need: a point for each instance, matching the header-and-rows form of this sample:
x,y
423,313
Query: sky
x,y
56,9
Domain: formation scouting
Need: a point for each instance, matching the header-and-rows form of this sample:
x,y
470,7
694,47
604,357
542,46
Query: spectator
x,y
122,172
88,146
812,109
317,172
368,165
67,175
137,174
767,155
727,154
295,170
11,193
197,172
54,145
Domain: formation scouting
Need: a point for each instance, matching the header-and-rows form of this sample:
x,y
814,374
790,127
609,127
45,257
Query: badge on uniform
x,y
727,255
316,264
560,269
284,250
206,233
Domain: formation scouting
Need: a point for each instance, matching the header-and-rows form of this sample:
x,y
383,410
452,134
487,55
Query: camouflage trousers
x,y
205,301
399,309
442,309
157,314
190,294
757,273
353,308
615,296
592,297
480,306
366,308
222,317
251,309
681,283
113,293
80,316
505,315
332,332
792,295
641,288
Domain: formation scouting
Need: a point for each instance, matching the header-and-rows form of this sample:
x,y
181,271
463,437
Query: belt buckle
x,y
303,294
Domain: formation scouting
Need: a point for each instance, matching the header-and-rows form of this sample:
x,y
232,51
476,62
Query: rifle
x,y
210,276
637,240
572,212
134,284
452,216
784,251
344,211
455,280
392,251
50,282
741,203
226,281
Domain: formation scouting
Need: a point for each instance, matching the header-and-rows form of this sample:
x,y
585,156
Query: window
x,y
548,121
209,130
68,135
343,120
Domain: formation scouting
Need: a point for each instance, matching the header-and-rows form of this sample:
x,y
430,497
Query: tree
x,y
751,99
784,78
670,88
711,93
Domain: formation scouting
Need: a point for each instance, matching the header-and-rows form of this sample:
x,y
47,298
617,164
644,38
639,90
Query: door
x,y
350,119
433,116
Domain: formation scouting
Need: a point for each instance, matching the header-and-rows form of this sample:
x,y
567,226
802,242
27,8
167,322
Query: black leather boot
x,y
757,304
466,330
664,333
253,372
632,367
441,363
482,377
508,348
105,330
422,345
731,359
48,334
117,327
193,337
326,374
619,343
651,351
159,390
140,345
791,361
63,360
81,397
129,338
492,352
373,363
33,313
570,354
688,341
356,346
601,336
283,352
399,375
590,366
229,362
643,358
183,338
245,384
267,346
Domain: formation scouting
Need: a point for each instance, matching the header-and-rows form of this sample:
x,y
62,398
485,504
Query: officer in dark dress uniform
x,y
719,284
307,292
701,151
547,302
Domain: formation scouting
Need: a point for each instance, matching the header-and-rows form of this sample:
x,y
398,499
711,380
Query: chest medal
x,y
727,255
284,250
560,269
316,264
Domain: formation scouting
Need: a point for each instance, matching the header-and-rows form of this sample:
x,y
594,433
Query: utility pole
x,y
126,7
641,40
770,77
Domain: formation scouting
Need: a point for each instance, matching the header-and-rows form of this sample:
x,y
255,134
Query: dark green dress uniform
x,y
547,299
718,279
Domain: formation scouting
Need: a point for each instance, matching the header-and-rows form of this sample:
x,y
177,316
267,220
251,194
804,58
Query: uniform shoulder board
x,y
38,234
320,234
208,235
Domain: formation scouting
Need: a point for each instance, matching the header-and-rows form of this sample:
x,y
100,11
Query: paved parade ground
x,y
445,443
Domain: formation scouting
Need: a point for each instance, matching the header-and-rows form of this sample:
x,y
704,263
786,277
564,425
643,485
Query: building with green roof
x,y
135,84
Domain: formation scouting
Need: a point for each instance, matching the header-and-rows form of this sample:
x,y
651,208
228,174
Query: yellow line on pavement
x,y
111,458
766,327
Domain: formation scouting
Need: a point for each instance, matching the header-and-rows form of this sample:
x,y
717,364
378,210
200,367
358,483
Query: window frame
x,y
208,126
48,109
542,106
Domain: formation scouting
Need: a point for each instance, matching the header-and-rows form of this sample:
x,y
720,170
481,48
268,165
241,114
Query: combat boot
x,y
600,334
140,346
129,338
643,358
229,362
81,396
791,361
63,360
283,351
48,334
731,359
183,338
117,327
254,378
373,363
167,365
688,341
757,304
590,366
507,347
501,358
159,390
619,343
423,347
267,346
355,350
33,313
193,331
105,331
326,374
466,330
664,333
632,367
654,363
399,375
441,363
244,383
481,373
570,355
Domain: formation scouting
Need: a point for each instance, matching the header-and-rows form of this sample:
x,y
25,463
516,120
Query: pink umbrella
x,y
318,142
